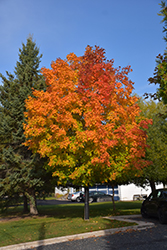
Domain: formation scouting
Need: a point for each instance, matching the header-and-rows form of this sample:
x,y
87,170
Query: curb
x,y
129,218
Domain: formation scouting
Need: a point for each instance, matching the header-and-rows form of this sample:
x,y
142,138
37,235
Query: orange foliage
x,y
87,122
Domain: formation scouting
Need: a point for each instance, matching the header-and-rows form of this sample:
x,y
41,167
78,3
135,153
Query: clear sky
x,y
130,31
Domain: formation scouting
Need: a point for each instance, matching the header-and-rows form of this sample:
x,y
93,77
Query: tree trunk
x,y
152,185
164,185
33,204
86,208
25,209
113,198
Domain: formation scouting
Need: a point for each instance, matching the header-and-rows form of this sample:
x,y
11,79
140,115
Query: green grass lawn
x,y
60,220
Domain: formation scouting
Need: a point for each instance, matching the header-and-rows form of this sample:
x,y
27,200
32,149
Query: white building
x,y
127,192
123,192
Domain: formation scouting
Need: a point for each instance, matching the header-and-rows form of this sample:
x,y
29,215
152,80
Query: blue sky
x,y
130,32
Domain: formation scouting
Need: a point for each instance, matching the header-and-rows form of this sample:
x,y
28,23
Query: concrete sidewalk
x,y
141,225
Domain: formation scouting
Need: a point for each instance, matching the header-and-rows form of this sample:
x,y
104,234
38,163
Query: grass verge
x,y
60,220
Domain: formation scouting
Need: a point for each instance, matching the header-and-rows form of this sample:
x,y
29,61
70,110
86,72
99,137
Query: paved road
x,y
150,239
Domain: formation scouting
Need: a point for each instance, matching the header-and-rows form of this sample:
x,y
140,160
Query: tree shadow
x,y
74,210
42,231
41,236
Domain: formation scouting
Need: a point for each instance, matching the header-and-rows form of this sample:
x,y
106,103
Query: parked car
x,y
156,205
77,196
99,196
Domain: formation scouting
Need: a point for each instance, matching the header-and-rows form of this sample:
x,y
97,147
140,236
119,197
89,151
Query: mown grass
x,y
60,220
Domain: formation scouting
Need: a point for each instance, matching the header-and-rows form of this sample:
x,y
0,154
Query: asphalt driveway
x,y
154,238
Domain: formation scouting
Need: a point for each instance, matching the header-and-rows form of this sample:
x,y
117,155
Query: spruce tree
x,y
21,171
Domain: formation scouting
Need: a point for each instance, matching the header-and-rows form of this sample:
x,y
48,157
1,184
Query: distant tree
x,y
156,153
127,176
86,122
160,72
21,171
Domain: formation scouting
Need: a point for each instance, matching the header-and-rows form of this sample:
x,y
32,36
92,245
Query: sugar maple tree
x,y
87,122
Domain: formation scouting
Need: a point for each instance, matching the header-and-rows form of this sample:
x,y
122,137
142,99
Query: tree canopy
x,y
86,122
156,153
160,72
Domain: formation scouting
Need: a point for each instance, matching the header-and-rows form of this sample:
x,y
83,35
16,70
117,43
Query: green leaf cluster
x,y
156,152
160,72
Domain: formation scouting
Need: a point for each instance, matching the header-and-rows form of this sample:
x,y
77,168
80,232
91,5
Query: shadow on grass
x,y
74,210
41,237
95,209
42,231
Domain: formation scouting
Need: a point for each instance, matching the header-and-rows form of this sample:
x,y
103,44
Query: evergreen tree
x,y
21,171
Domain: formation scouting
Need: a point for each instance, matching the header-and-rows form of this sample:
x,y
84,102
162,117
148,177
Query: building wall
x,y
126,192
